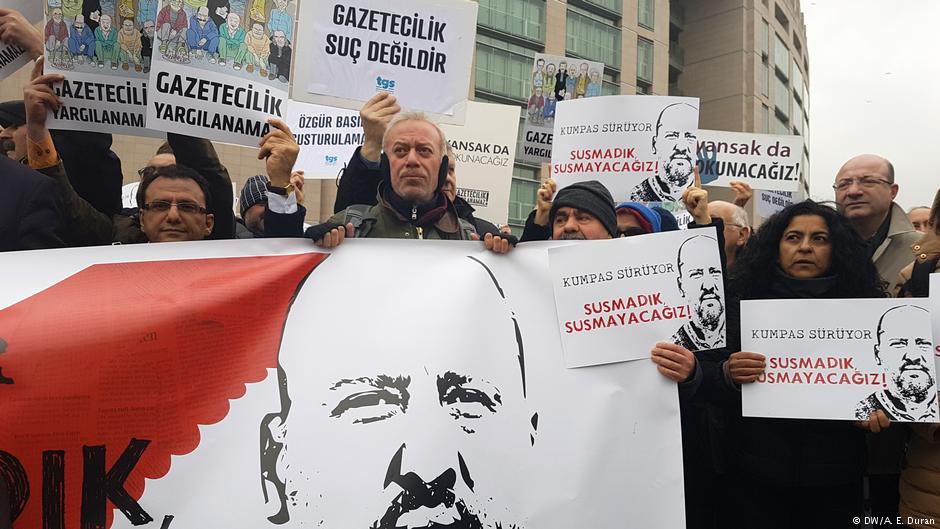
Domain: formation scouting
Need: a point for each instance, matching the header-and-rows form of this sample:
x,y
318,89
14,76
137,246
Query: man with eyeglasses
x,y
865,192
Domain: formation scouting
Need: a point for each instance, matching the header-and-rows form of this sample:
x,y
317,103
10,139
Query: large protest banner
x,y
485,149
419,50
641,147
221,72
12,56
554,79
841,359
935,316
763,161
141,386
103,49
327,136
615,299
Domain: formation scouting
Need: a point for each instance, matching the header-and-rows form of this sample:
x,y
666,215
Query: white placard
x,y
841,359
327,136
770,203
641,147
553,79
102,50
485,149
221,81
615,299
419,50
763,161
935,315
231,393
12,58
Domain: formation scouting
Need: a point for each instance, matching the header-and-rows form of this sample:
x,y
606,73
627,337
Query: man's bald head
x,y
737,227
865,191
868,161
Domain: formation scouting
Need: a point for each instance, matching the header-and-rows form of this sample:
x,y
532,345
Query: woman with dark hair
x,y
920,479
794,473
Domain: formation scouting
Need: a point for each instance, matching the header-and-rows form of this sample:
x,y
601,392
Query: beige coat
x,y
895,253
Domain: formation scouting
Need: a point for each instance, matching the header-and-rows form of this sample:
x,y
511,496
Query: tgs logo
x,y
331,159
387,85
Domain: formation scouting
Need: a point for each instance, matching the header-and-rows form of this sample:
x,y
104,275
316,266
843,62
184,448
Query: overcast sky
x,y
875,87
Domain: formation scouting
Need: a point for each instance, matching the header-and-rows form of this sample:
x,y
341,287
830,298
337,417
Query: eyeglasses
x,y
865,182
186,208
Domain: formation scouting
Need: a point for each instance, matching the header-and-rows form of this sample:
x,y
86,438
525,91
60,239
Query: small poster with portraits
x,y
615,299
841,359
641,147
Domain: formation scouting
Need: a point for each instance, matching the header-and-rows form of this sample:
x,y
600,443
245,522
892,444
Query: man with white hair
x,y
737,228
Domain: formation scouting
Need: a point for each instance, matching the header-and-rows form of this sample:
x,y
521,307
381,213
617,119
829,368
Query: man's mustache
x,y
417,493
709,293
912,365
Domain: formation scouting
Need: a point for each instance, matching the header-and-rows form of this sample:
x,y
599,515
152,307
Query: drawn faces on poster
x,y
700,282
904,350
376,433
674,146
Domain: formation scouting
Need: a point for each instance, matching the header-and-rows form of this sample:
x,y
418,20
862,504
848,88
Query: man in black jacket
x,y
29,209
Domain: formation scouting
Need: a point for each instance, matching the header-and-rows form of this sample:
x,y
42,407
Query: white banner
x,y
770,203
327,136
485,149
235,411
935,316
554,79
763,161
221,80
104,53
419,50
615,299
841,359
641,147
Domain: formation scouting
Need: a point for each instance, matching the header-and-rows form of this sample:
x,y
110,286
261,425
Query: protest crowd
x,y
62,189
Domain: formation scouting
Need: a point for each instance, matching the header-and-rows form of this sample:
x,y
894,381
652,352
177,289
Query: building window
x,y
797,117
764,38
782,18
646,13
611,86
765,119
781,97
593,38
503,69
521,18
644,60
780,126
644,89
612,6
764,78
781,57
797,81
522,192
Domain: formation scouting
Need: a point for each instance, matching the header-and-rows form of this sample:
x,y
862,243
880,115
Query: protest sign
x,y
204,391
615,299
221,74
327,136
841,359
12,56
763,161
103,50
772,202
641,147
935,315
419,50
484,150
554,79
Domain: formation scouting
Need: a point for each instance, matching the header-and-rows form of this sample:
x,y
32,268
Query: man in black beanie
x,y
583,211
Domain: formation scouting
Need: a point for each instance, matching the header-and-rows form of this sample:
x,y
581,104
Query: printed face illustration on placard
x,y
700,282
400,434
674,146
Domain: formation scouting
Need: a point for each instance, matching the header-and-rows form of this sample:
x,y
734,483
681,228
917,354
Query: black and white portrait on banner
x,y
700,281
674,146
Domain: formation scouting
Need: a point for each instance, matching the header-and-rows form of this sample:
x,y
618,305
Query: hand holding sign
x,y
39,98
744,368
376,114
15,29
279,150
543,202
673,361
742,192
696,201
876,422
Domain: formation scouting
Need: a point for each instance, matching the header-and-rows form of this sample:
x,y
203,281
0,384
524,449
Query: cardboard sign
x,y
641,147
763,161
103,50
485,147
615,299
770,203
841,359
419,50
221,74
935,315
554,79
327,136
213,406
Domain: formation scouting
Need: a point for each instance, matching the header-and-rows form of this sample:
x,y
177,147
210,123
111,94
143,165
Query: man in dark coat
x,y
29,209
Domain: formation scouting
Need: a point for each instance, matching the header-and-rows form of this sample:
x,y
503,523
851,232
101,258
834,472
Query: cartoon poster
x,y
212,406
763,161
841,359
221,67
554,79
327,136
615,299
419,50
641,147
12,56
484,148
103,48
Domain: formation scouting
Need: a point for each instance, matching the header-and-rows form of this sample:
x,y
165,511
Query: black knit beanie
x,y
590,196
